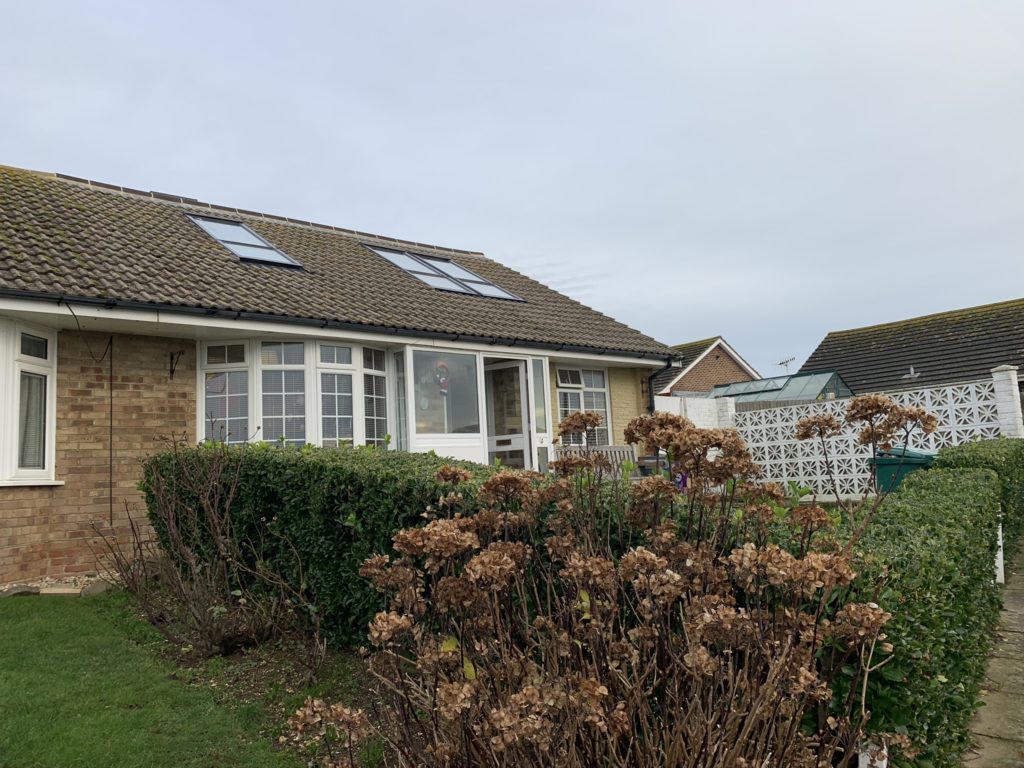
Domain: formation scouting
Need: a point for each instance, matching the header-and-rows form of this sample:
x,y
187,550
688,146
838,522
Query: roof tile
x,y
62,235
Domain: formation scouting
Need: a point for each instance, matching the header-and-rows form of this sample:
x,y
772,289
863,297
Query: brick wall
x,y
626,392
48,530
717,368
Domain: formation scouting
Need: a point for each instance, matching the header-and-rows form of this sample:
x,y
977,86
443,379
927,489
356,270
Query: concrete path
x,y
998,727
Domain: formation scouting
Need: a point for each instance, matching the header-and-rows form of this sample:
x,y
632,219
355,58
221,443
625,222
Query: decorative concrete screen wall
x,y
970,411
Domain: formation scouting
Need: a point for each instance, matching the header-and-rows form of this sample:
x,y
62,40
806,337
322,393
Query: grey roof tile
x,y
944,348
60,235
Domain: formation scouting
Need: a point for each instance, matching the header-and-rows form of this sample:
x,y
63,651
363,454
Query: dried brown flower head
x,y
823,425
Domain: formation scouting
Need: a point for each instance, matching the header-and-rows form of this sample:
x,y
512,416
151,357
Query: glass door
x,y
508,426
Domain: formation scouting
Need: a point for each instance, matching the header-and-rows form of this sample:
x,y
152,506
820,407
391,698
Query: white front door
x,y
508,425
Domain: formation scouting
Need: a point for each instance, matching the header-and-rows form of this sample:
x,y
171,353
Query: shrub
x,y
1005,457
310,514
576,623
933,544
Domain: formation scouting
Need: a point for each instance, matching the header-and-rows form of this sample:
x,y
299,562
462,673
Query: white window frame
x,y
383,373
14,365
312,389
354,370
311,411
581,390
204,368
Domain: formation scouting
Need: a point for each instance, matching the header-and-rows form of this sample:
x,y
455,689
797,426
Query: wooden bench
x,y
617,454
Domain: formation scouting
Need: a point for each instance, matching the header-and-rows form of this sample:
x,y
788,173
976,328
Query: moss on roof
x,y
945,347
71,237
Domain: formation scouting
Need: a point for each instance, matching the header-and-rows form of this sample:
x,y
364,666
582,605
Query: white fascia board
x,y
207,327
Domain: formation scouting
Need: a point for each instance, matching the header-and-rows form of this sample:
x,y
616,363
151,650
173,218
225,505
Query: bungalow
x,y
934,350
129,316
701,366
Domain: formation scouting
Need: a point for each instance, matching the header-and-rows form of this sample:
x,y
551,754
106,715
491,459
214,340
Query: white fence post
x,y
1011,422
1000,569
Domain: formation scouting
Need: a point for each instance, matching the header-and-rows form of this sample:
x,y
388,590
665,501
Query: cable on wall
x,y
108,354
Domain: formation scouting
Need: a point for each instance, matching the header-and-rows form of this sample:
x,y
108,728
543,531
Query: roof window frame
x,y
288,263
464,285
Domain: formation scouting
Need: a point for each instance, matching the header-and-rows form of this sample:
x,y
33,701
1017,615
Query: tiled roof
x,y
685,355
61,236
944,348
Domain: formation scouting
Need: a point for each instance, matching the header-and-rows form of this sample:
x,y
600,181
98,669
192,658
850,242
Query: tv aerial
x,y
785,363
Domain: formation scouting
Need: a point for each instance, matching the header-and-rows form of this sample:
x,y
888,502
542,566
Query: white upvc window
x,y
584,389
283,388
328,393
375,398
226,392
28,398
336,374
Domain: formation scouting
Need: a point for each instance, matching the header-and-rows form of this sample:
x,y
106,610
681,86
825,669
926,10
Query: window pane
x,y
32,422
33,346
402,421
444,283
450,268
226,403
284,396
540,397
330,353
227,230
282,353
593,379
373,359
445,393
375,407
400,260
219,354
491,290
257,253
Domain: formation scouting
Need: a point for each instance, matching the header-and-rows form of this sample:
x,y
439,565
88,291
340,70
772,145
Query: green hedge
x,y
335,506
1005,457
936,537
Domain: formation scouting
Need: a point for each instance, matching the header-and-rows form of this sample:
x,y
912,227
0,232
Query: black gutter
x,y
390,330
650,383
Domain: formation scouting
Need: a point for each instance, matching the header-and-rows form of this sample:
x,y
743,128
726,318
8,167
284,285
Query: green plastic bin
x,y
893,465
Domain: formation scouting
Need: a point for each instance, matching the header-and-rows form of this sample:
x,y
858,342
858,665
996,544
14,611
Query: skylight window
x,y
242,241
443,274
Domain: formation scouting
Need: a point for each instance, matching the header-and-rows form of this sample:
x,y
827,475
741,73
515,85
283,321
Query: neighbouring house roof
x,y
962,345
62,237
691,353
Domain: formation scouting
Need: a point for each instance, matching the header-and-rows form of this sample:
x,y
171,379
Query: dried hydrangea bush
x,y
586,621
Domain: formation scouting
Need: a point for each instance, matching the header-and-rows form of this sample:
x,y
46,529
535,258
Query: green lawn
x,y
81,685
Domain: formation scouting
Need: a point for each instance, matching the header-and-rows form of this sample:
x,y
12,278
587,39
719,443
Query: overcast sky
x,y
767,171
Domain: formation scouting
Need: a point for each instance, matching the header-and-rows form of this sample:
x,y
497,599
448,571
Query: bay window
x,y
329,393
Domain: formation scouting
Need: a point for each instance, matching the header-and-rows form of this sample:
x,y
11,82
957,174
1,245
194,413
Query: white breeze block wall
x,y
970,411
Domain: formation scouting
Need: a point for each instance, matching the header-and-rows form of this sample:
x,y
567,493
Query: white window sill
x,y
29,482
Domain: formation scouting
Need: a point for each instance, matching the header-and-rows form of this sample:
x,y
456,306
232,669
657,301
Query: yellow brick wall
x,y
625,392
48,530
